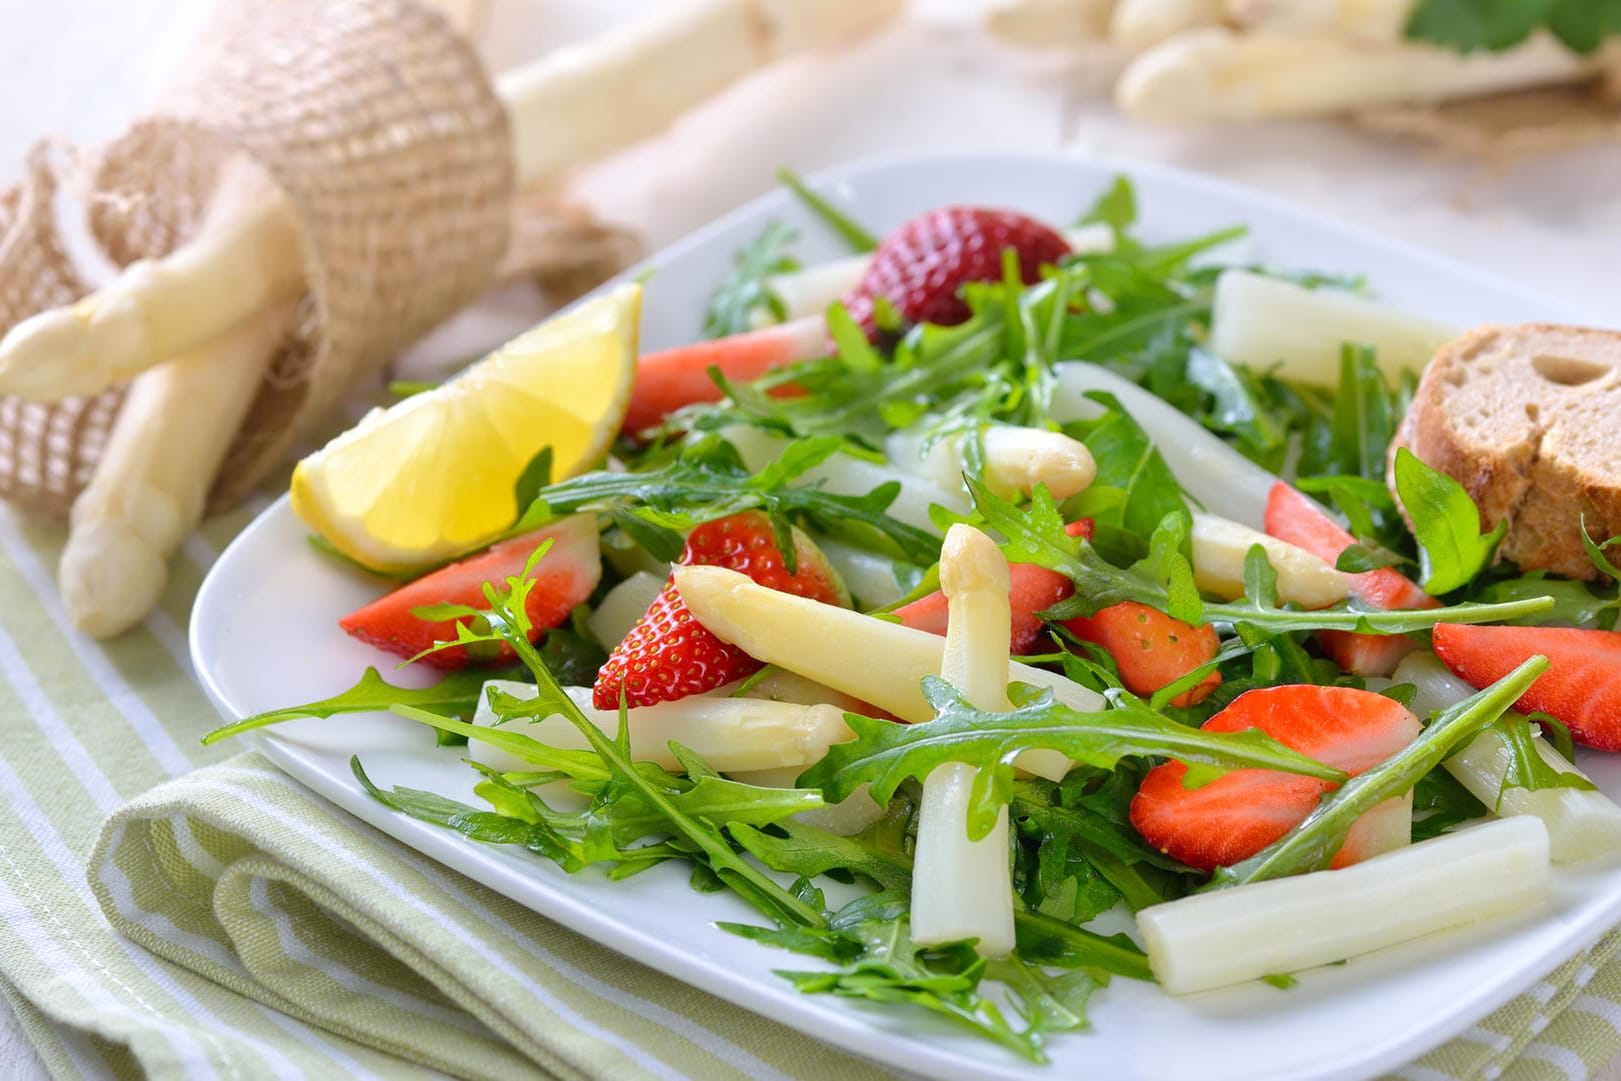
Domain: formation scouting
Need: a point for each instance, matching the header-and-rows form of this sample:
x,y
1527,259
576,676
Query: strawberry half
x,y
922,266
1031,590
1243,811
669,655
1291,517
1581,688
564,578
1150,648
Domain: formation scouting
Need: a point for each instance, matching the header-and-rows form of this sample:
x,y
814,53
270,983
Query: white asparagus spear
x,y
1367,20
731,734
1016,460
1211,940
1582,824
1047,24
872,659
567,108
1220,547
1215,75
1142,24
1270,324
1209,470
960,888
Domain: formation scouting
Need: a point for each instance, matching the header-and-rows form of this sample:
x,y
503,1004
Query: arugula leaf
x,y
1469,25
1033,537
884,754
1446,522
744,291
1312,844
1116,207
457,694
1440,802
1129,463
838,221
1526,768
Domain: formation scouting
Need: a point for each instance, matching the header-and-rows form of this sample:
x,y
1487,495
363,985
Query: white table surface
x,y
80,68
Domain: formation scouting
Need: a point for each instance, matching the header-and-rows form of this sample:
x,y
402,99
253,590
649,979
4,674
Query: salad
x,y
957,609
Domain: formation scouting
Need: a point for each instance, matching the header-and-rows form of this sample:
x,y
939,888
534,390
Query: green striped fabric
x,y
173,912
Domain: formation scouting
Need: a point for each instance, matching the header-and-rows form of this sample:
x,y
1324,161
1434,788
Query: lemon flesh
x,y
433,476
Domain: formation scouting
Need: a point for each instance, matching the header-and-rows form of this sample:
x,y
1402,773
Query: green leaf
x,y
883,754
1526,768
838,221
1583,25
1470,25
456,694
535,476
1446,522
1441,802
1312,844
1116,207
744,292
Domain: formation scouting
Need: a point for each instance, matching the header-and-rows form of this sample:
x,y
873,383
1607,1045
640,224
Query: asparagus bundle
x,y
197,328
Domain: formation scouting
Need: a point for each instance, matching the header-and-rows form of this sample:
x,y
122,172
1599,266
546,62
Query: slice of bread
x,y
1528,419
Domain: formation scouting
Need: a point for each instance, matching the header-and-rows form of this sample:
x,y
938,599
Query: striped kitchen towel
x,y
166,920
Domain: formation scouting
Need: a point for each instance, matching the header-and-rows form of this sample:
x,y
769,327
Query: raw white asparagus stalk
x,y
872,659
963,889
1047,24
809,290
1582,824
1142,24
1209,470
1220,547
570,107
870,577
1365,20
1211,940
1216,75
731,734
1016,460
1275,325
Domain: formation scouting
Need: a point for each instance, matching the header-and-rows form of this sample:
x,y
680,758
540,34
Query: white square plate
x,y
264,635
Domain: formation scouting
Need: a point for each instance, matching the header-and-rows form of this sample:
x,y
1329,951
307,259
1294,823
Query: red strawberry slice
x,y
1581,688
921,267
564,578
1292,517
1031,589
1243,811
669,655
674,378
1150,648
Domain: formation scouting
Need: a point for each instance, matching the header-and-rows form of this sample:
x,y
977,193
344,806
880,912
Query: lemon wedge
x,y
433,476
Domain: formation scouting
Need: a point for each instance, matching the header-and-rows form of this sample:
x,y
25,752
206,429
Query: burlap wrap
x,y
375,119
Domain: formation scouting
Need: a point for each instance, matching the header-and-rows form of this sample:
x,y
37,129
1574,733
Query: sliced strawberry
x,y
669,655
1031,590
1150,648
922,266
1582,686
564,578
1292,517
668,380
1243,811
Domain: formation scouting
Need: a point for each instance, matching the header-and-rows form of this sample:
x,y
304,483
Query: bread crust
x,y
1528,419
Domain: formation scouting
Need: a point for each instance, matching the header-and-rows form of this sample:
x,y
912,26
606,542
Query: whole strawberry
x,y
922,266
669,655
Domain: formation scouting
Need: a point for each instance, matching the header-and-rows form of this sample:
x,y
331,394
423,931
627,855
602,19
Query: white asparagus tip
x,y
61,352
1017,459
970,562
111,577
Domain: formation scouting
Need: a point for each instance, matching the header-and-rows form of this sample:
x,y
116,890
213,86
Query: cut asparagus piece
x,y
872,659
1582,824
731,734
1049,24
1220,547
1366,20
1213,74
869,576
1214,939
962,888
623,606
1209,470
1270,324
